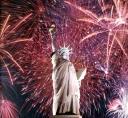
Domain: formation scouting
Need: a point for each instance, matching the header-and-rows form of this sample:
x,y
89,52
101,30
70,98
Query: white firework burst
x,y
119,107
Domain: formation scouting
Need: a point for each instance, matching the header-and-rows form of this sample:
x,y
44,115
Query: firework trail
x,y
7,108
5,33
35,57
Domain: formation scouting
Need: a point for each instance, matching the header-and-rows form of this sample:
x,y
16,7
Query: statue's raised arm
x,y
52,31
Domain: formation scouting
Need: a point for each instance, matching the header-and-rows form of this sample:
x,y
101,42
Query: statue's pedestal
x,y
66,116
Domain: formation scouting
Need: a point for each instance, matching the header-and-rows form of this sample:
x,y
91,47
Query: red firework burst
x,y
8,109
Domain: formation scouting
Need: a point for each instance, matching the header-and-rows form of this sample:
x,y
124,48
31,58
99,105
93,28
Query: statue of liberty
x,y
66,81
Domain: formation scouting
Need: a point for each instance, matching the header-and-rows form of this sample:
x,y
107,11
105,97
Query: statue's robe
x,y
66,87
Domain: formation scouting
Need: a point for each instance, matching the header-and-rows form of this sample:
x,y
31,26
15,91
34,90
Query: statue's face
x,y
65,56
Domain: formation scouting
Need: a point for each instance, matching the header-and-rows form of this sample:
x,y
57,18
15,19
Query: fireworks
x,y
102,55
109,22
8,109
119,107
5,33
36,55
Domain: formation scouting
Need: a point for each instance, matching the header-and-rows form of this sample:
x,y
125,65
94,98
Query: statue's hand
x,y
52,30
81,73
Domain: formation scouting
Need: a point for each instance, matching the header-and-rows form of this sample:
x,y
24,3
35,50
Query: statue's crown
x,y
65,49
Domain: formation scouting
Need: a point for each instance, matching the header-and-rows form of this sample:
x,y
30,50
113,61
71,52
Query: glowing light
x,y
120,21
